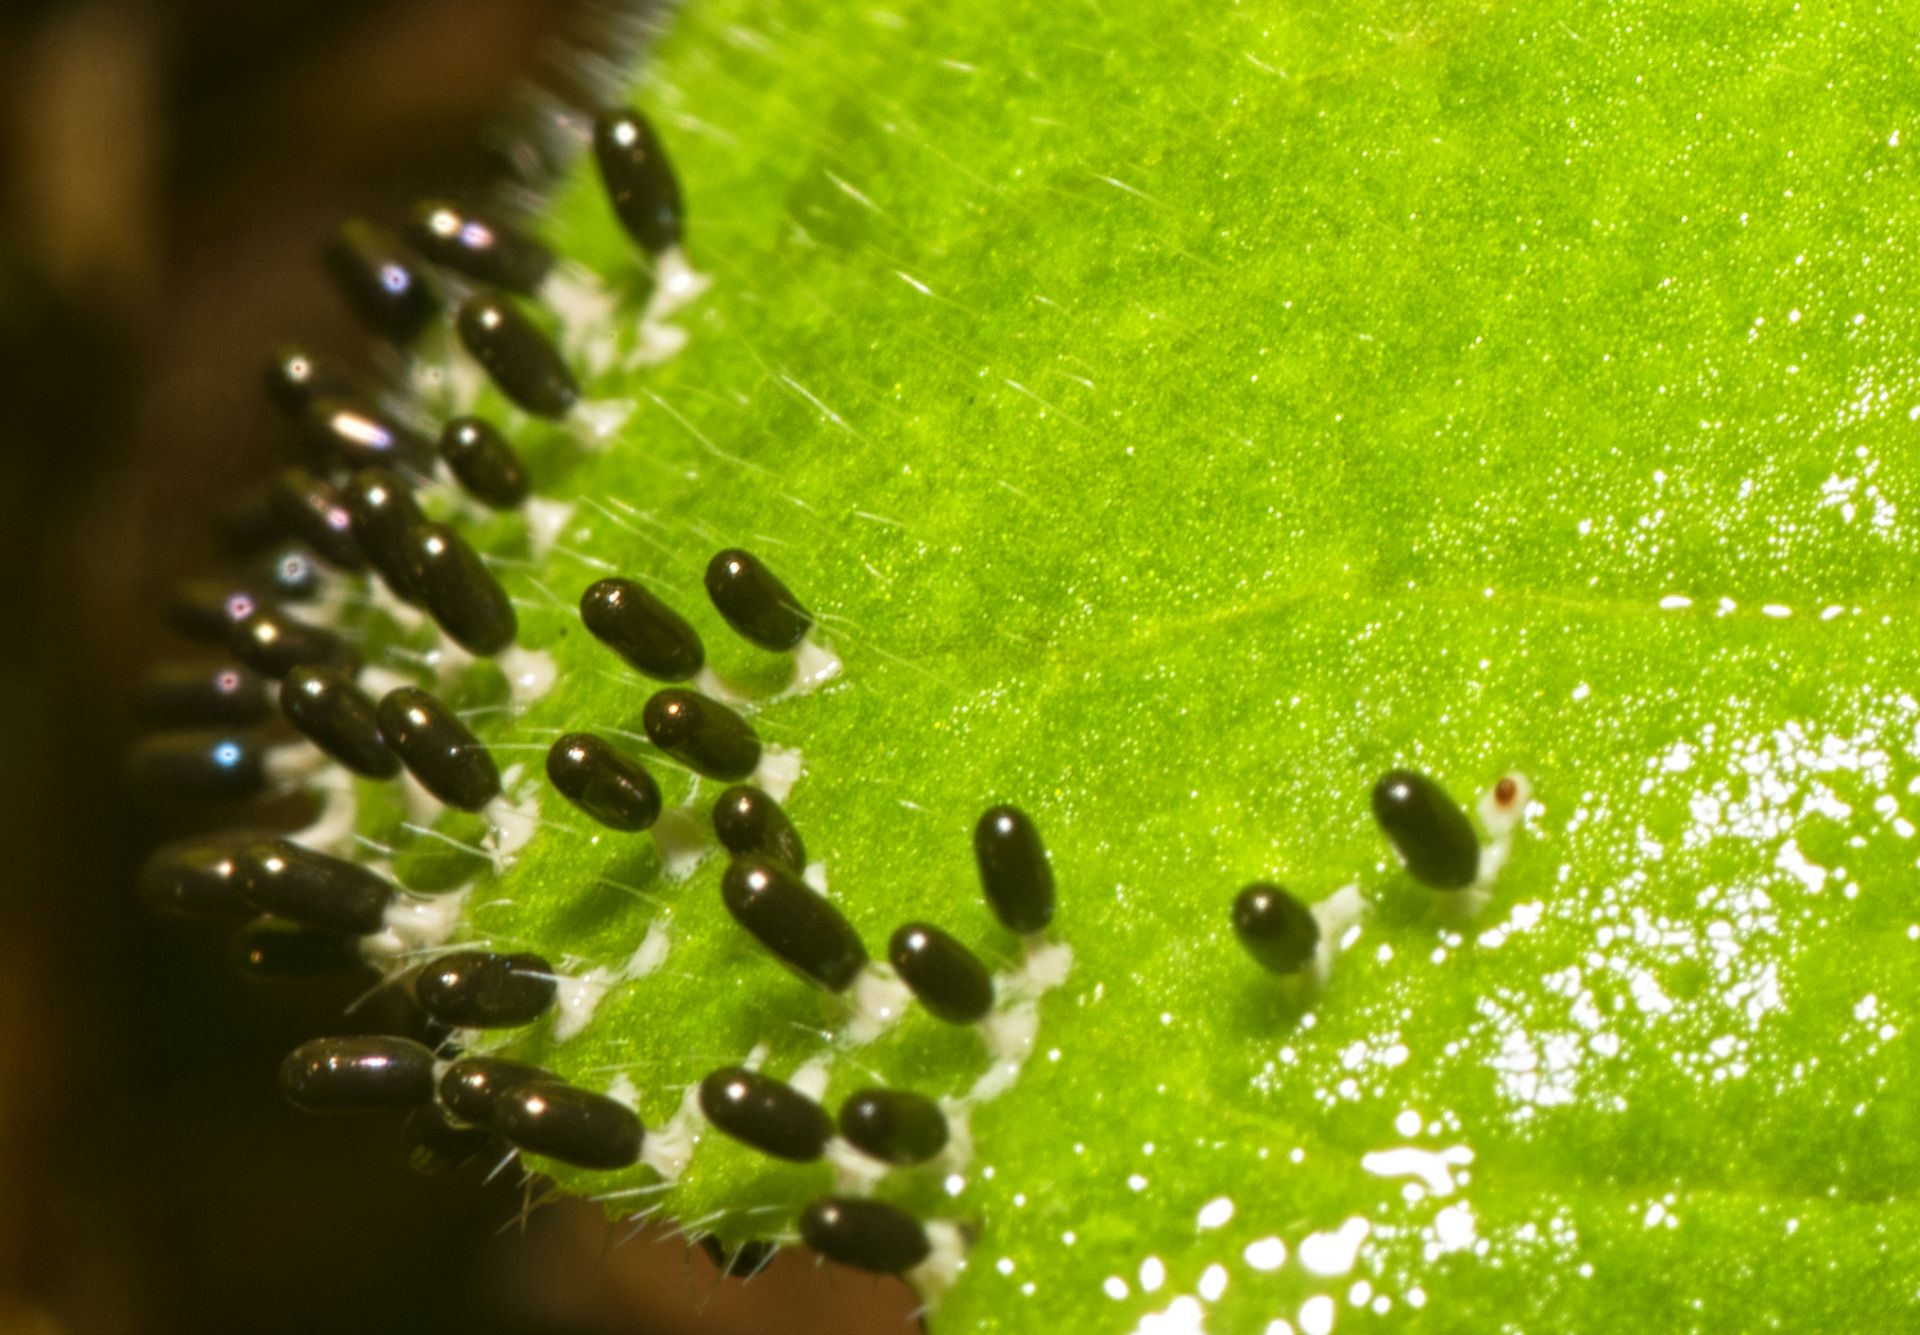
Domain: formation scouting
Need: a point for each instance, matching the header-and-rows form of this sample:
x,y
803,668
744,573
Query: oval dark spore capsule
x,y
314,511
742,1261
478,246
275,643
948,978
610,787
702,734
435,1143
202,766
865,1234
770,1115
437,749
640,182
517,353
1013,869
748,821
312,888
384,514
380,283
652,637
271,949
295,378
350,434
571,1125
357,1074
485,464
1428,830
338,717
471,1085
894,1126
195,878
291,574
790,919
1277,929
456,587
754,601
202,695
478,989
207,609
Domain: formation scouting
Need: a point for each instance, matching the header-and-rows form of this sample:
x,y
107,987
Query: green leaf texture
x,y
1178,415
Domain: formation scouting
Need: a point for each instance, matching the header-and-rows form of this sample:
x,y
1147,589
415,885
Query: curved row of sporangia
x,y
249,724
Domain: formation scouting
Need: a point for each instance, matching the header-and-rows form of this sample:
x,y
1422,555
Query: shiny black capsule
x,y
1277,929
357,1074
485,464
295,378
746,821
195,878
314,511
755,602
798,925
652,637
206,609
743,1260
865,1234
471,1086
290,574
275,643
767,1114
201,766
434,1143
478,989
351,434
894,1126
379,281
948,978
1427,829
608,786
702,734
1013,869
640,182
202,695
517,353
571,1125
333,713
478,246
269,948
438,750
384,514
456,587
311,888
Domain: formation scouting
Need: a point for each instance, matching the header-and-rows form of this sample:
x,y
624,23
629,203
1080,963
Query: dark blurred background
x,y
168,169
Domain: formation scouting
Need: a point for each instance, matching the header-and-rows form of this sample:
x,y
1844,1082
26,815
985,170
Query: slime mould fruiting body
x,y
953,694
362,511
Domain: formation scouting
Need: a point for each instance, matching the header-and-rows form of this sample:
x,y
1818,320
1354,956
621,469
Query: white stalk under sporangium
x,y
779,770
946,1257
684,840
1499,819
530,673
332,829
596,421
546,520
414,923
515,819
576,999
814,665
292,763
878,998
1009,1032
675,283
669,1148
811,1078
651,953
585,306
1336,915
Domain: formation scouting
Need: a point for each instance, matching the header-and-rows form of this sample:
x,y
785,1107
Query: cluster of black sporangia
x,y
1426,827
352,508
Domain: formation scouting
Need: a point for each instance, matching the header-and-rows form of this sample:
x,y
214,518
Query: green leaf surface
x,y
1178,415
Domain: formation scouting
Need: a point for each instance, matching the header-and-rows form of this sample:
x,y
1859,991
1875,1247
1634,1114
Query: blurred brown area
x,y
167,171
